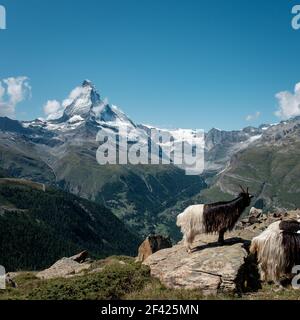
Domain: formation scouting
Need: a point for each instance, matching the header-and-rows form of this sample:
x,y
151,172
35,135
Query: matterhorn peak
x,y
82,100
84,103
87,83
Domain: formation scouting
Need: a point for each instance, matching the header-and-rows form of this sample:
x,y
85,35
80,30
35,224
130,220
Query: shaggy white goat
x,y
211,218
277,249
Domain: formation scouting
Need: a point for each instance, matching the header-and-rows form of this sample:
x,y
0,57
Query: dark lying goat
x,y
209,218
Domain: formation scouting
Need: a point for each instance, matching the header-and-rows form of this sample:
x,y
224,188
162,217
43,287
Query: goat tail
x,y
191,219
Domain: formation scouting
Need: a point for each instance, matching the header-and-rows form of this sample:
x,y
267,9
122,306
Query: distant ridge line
x,y
23,182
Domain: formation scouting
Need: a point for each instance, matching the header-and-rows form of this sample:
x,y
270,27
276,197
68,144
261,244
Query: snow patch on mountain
x,y
76,119
254,138
81,100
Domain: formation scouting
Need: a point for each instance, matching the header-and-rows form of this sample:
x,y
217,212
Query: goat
x,y
277,250
210,218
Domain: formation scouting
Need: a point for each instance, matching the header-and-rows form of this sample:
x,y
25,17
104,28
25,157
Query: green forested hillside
x,y
37,228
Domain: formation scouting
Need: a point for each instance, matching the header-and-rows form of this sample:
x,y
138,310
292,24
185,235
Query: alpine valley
x,y
61,153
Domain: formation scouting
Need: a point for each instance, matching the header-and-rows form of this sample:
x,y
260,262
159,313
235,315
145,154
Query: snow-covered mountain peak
x,y
82,100
87,83
85,102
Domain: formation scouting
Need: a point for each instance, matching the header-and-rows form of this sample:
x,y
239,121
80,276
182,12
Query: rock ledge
x,y
211,268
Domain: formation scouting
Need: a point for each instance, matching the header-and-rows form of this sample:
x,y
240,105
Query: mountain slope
x,y
40,227
19,157
270,167
221,145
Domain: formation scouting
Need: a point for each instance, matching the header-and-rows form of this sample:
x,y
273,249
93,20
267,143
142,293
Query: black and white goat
x,y
277,250
210,218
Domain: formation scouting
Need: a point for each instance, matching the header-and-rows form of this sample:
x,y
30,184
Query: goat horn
x,y
242,188
247,189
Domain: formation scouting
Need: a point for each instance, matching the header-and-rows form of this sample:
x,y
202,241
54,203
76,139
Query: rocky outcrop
x,y
212,268
152,244
80,257
258,221
66,267
254,215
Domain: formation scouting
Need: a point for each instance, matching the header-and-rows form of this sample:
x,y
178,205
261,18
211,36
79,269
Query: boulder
x,y
210,268
80,257
254,212
255,215
152,244
66,267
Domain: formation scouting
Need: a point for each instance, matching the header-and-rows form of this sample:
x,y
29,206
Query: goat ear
x,y
251,196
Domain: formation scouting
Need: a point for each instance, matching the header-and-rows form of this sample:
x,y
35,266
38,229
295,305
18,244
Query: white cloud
x,y
254,116
288,103
17,88
75,93
97,110
2,91
53,109
13,91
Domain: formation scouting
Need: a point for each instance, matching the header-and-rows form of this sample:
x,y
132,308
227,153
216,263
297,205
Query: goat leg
x,y
221,237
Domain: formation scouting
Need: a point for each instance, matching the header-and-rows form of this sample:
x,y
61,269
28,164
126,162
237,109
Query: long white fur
x,y
270,253
191,223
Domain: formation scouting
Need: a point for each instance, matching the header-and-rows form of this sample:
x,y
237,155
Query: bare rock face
x,y
152,244
210,268
256,223
255,215
80,257
66,267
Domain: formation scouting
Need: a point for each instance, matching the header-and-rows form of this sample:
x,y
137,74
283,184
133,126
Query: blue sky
x,y
184,63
